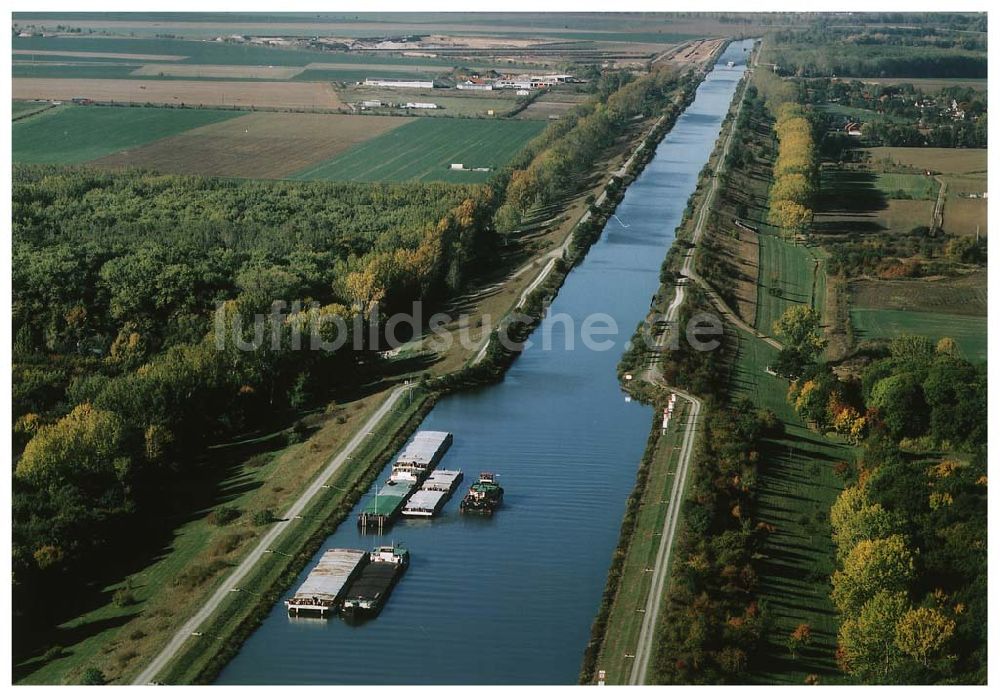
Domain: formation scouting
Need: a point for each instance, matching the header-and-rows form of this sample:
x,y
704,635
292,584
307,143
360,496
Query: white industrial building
x,y
470,85
382,82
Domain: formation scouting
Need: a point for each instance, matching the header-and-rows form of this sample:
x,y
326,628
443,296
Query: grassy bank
x,y
636,556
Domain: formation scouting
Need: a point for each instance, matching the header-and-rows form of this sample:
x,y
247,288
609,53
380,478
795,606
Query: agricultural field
x,y
287,95
23,109
907,186
952,161
75,134
859,113
860,201
452,102
425,148
789,275
964,295
77,71
256,145
964,172
968,331
546,109
187,70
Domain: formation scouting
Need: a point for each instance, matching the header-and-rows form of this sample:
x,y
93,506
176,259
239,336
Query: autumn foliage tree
x,y
794,171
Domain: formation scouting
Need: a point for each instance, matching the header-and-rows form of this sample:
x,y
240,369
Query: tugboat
x,y
368,592
484,496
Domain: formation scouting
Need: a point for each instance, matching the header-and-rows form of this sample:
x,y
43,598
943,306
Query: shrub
x,y
223,515
264,517
93,676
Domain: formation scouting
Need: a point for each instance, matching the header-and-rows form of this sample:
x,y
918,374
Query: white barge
x,y
421,455
436,490
323,589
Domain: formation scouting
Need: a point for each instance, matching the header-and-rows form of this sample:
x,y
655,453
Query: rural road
x,y
189,628
653,375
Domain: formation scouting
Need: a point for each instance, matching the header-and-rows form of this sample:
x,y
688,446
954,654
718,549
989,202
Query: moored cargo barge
x,y
385,505
437,489
322,590
421,454
367,594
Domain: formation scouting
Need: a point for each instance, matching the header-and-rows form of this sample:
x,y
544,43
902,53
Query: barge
x,y
435,492
368,592
484,496
385,505
421,454
322,590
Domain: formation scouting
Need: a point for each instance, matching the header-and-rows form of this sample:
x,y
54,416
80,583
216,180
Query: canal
x,y
511,599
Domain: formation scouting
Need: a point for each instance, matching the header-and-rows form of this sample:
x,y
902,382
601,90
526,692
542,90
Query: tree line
x,y
823,51
795,170
910,528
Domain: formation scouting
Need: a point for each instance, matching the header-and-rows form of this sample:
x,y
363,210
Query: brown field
x,y
98,54
188,70
906,214
291,95
941,160
544,109
965,295
261,145
964,216
690,53
900,215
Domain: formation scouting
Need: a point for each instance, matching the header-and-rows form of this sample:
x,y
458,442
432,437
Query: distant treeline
x,y
823,52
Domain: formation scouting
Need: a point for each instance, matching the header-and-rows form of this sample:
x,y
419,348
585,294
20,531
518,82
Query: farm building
x,y
371,103
474,85
513,83
420,105
381,82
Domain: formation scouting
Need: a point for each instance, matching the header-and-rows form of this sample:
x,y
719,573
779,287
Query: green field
x,y
907,186
20,108
210,52
790,275
796,487
968,331
424,149
74,134
860,113
355,75
78,70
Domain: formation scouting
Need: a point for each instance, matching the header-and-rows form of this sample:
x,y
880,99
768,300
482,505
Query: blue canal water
x,y
511,599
